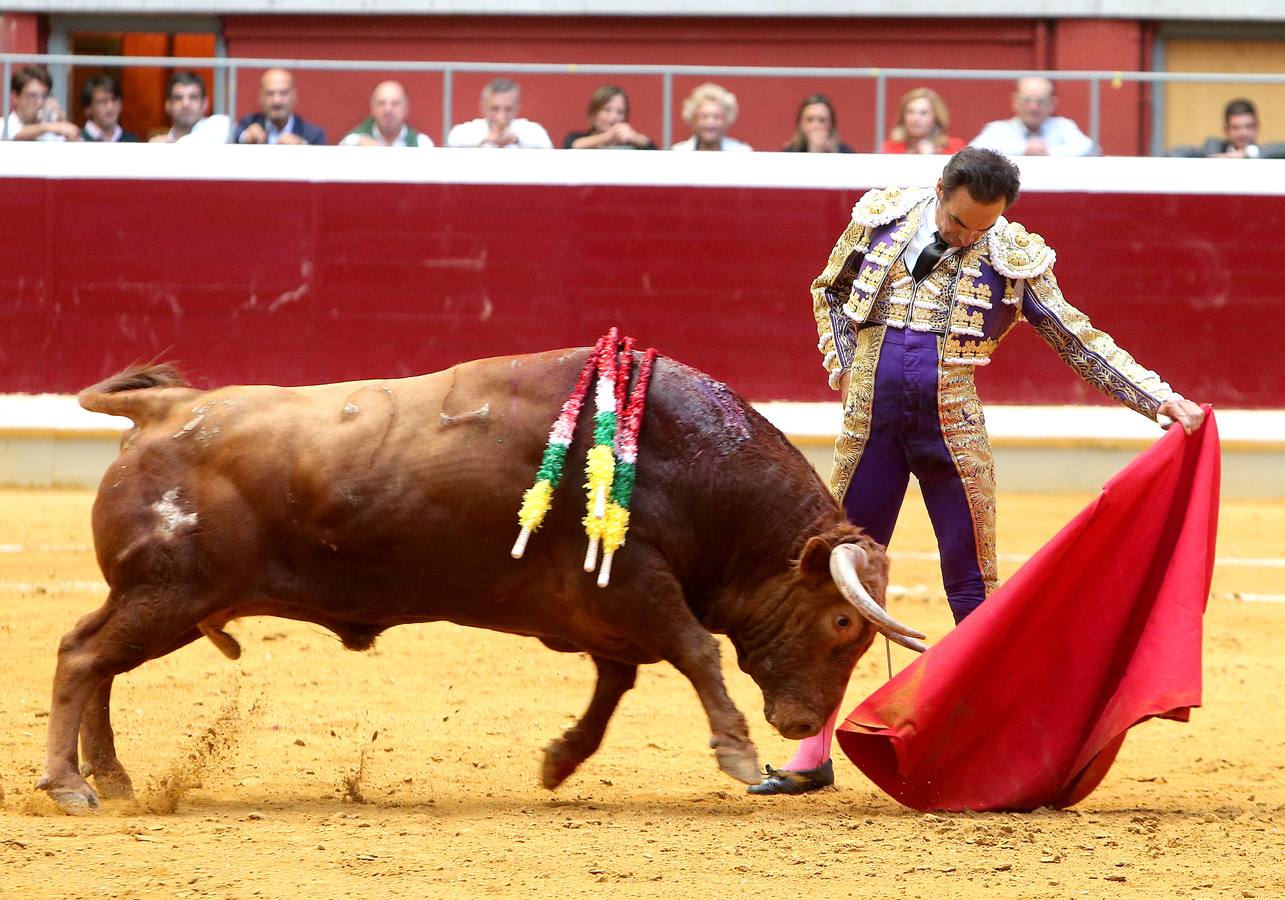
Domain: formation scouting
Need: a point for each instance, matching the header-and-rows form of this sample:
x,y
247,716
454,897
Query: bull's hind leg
x,y
98,747
115,638
564,755
98,741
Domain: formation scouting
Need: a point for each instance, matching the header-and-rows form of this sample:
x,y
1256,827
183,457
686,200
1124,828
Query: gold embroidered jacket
x,y
972,298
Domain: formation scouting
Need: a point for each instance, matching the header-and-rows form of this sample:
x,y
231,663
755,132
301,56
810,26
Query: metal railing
x,y
226,69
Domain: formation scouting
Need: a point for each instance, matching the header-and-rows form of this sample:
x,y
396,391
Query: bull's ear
x,y
815,559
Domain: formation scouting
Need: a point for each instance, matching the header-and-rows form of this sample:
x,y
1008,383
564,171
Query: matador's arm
x,y
830,291
1091,352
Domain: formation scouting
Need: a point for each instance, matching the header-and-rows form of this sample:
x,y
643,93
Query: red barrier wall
x,y
302,281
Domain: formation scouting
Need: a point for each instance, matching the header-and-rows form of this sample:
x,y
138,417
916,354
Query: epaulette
x,y
1018,253
884,205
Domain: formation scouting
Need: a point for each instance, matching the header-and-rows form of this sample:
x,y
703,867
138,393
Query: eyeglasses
x,y
1034,101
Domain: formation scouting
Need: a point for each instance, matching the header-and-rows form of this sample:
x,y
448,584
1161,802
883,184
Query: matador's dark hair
x,y
987,175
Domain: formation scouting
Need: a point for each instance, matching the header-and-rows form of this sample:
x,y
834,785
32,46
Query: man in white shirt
x,y
1035,131
35,116
386,126
500,126
186,105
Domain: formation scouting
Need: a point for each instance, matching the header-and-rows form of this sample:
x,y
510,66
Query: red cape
x,y
1026,703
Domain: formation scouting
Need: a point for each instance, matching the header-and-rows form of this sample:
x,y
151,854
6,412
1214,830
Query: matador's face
x,y
961,220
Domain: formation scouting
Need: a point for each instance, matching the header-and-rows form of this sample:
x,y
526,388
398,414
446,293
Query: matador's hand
x,y
1183,411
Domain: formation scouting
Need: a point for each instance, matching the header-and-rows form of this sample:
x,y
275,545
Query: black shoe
x,y
783,781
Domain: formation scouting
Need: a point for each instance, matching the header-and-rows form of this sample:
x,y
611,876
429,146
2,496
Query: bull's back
x,y
401,473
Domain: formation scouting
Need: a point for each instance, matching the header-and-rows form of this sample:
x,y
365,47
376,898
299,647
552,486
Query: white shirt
x,y
923,237
209,130
727,144
1008,136
98,134
530,135
354,139
14,125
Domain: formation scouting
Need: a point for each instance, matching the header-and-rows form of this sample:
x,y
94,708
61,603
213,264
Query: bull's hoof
x,y
74,800
559,763
114,785
741,763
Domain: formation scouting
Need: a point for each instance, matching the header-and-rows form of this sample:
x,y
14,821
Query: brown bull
x,y
365,505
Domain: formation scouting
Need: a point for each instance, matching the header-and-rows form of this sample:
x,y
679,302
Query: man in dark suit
x,y
277,123
101,99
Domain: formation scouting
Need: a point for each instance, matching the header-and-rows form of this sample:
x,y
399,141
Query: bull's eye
x,y
842,622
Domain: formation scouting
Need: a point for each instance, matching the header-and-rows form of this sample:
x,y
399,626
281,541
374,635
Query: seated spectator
x,y
386,126
101,99
710,111
186,105
1034,130
275,122
608,124
499,125
35,116
816,128
1240,137
922,126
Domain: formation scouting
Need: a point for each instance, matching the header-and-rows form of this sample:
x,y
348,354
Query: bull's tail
x,y
134,392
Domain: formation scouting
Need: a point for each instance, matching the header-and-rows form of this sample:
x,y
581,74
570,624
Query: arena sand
x,y
411,770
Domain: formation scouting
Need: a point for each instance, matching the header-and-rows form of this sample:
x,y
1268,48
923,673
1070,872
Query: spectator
x,y
386,126
499,125
1240,140
186,105
101,99
608,124
276,123
1035,131
922,126
710,111
36,116
816,128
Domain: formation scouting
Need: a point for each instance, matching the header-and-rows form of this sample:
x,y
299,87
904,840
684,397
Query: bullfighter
x,y
918,292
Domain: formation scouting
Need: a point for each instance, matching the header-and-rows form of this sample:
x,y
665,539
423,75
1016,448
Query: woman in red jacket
x,y
922,125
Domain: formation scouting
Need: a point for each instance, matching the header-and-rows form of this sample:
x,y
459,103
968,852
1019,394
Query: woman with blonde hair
x,y
608,124
922,126
710,111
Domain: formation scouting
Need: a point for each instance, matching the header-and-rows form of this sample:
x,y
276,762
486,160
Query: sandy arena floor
x,y
412,770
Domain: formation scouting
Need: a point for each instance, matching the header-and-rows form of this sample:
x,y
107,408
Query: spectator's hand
x,y
290,138
1233,153
1189,415
253,135
1036,147
365,140
160,139
501,138
68,130
819,140
624,133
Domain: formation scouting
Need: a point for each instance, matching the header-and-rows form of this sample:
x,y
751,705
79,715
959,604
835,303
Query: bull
x,y
363,505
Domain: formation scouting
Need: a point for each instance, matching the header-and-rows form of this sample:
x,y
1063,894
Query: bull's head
x,y
814,623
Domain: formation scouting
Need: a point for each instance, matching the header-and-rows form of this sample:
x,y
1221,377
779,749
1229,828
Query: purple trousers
x,y
906,438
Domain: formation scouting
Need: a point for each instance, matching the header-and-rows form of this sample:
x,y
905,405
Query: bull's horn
x,y
843,569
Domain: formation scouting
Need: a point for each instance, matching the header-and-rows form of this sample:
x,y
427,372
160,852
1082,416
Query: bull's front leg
x,y
697,657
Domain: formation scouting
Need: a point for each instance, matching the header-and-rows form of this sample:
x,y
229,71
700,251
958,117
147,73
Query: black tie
x,y
929,257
